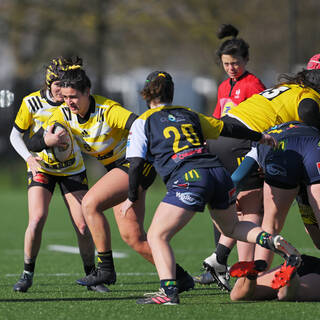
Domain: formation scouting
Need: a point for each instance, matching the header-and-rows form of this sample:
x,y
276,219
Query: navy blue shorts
x,y
193,189
298,162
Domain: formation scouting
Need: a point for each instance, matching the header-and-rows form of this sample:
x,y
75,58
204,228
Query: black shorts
x,y
231,152
149,173
308,265
67,184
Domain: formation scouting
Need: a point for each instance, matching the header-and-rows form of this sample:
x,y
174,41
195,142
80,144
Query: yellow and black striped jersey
x,y
102,133
273,106
35,110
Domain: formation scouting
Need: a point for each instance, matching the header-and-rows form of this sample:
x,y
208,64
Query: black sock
x,y
169,286
29,267
105,260
222,253
88,269
180,272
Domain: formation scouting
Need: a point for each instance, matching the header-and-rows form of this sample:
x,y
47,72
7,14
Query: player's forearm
x,y
16,140
37,143
240,132
135,171
243,290
247,166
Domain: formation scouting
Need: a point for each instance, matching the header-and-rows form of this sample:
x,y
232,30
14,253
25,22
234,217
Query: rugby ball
x,y
62,154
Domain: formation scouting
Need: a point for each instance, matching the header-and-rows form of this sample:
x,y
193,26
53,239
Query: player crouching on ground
x,y
298,279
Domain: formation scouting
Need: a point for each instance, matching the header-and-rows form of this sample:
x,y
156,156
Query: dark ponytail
x,y
234,46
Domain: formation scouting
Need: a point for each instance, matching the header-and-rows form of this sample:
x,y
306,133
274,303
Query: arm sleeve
x,y
135,173
308,111
247,166
130,121
36,143
240,132
16,139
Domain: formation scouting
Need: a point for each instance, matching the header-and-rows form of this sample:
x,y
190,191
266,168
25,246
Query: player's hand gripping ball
x,y
62,154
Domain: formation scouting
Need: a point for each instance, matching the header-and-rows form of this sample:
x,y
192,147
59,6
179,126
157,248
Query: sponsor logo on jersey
x,y
189,198
171,118
177,157
237,94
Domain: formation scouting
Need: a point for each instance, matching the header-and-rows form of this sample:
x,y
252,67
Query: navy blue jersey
x,y
173,137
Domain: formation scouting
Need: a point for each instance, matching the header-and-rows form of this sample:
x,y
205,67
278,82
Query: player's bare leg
x,y
277,203
249,208
38,204
86,246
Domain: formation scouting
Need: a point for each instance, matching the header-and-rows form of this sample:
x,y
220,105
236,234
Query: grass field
x,y
55,295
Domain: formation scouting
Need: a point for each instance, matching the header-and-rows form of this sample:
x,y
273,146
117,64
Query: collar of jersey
x,y
162,105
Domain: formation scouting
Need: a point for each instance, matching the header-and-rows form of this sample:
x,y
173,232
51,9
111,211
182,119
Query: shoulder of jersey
x,y
252,77
103,101
33,94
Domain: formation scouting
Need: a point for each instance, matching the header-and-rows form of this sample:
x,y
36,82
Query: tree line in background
x,y
114,36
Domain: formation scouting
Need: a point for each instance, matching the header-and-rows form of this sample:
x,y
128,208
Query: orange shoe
x,y
287,271
247,268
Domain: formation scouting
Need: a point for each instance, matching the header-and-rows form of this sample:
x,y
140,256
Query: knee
x,y
82,229
89,204
155,237
37,222
134,240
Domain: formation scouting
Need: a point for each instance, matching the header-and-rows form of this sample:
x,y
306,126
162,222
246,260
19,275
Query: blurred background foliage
x,y
118,37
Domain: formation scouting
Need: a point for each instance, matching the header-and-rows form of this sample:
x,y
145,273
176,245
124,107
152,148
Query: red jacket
x,y
231,93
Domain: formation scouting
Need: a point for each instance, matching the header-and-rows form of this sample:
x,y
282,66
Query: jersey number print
x,y
185,134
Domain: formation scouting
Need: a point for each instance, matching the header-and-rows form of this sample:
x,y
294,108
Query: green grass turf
x,y
55,295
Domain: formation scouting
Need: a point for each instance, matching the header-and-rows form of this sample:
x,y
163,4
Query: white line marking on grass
x,y
75,250
130,274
